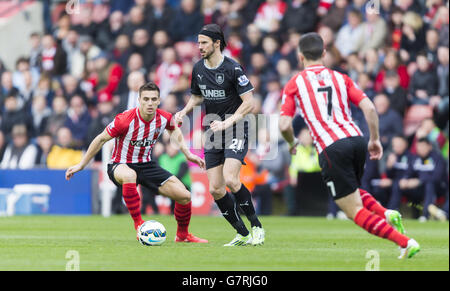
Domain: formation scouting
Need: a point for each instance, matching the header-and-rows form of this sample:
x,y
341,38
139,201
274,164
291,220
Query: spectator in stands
x,y
372,63
397,95
269,15
71,47
349,38
374,33
58,117
87,26
429,130
129,99
45,88
40,113
336,15
413,36
299,16
110,31
397,164
160,14
35,51
168,72
186,23
391,123
271,51
53,58
137,20
45,144
88,50
426,177
78,120
443,71
424,82
14,115
141,44
20,154
432,39
107,75
62,28
392,63
395,28
121,51
6,88
252,43
64,153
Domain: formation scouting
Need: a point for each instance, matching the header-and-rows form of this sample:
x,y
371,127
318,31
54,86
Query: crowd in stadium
x,y
88,66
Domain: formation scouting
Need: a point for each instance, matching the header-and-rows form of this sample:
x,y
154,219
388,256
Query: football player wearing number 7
x,y
220,83
135,132
323,97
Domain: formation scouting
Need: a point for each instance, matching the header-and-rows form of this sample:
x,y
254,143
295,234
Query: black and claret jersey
x,y
221,87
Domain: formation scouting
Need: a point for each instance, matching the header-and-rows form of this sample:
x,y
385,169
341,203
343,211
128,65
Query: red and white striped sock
x,y
376,225
371,204
183,217
133,202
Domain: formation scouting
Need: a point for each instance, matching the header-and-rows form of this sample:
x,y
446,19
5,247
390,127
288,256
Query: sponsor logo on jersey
x,y
220,78
142,143
213,94
243,80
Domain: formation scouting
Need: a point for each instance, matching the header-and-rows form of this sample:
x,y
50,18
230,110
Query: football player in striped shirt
x,y
323,98
136,131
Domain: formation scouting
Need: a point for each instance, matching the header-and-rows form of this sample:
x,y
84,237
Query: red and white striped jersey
x,y
323,97
135,137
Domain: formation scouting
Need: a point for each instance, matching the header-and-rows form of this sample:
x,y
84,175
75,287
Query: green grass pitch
x,y
292,243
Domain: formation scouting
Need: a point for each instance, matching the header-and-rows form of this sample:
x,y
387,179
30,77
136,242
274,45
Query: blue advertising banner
x,y
66,197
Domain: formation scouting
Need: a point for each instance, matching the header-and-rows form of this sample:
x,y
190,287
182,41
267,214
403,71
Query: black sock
x,y
227,206
244,200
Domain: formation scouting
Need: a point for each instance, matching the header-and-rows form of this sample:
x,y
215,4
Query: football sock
x,y
133,201
183,217
244,200
371,204
376,225
227,206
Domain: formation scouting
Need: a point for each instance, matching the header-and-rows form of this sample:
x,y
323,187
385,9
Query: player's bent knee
x,y
233,184
217,192
185,198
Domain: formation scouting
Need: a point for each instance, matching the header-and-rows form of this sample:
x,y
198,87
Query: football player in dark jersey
x,y
220,83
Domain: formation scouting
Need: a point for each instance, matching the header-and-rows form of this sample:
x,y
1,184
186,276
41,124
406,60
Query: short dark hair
x,y
150,86
424,139
215,28
311,46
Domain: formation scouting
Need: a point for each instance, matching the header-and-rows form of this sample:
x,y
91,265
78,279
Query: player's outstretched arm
x,y
245,108
93,149
176,136
370,114
195,100
287,131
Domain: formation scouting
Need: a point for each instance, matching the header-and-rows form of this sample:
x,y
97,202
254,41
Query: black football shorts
x,y
150,174
232,143
342,165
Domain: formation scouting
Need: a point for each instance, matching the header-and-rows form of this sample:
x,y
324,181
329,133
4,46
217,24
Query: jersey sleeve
x,y
288,106
355,94
242,83
195,89
118,126
170,122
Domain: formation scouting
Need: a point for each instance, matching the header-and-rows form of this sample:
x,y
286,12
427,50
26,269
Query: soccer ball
x,y
152,233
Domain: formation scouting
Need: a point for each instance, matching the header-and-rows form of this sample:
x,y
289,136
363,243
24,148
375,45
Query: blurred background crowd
x,y
88,66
